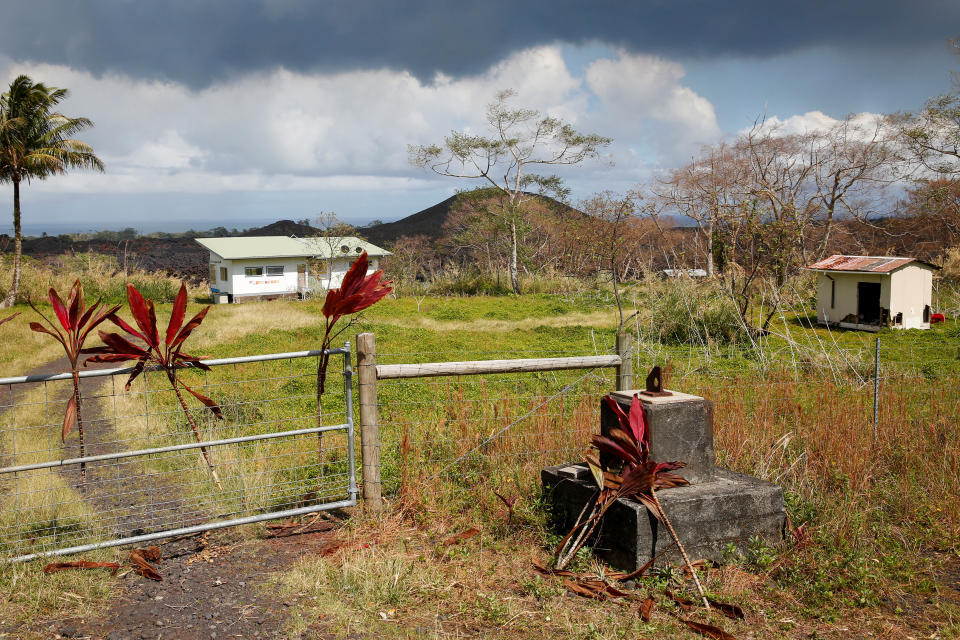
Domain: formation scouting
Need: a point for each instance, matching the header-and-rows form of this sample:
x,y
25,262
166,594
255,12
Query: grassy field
x,y
881,520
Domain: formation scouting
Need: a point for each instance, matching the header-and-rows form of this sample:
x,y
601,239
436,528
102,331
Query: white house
x,y
270,267
869,292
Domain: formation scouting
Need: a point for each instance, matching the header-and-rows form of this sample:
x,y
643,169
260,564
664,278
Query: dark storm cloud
x,y
200,41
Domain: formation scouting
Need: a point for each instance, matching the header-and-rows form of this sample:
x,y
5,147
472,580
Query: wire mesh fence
x,y
478,428
144,472
490,429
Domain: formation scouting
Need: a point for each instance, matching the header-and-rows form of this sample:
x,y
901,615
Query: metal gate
x,y
148,475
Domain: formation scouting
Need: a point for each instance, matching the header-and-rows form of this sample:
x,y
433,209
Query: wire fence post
x,y
625,368
876,391
369,420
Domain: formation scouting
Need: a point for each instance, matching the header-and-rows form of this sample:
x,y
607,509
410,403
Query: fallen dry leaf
x,y
646,608
54,567
730,610
138,559
708,630
583,590
460,537
334,548
153,554
685,604
552,572
623,577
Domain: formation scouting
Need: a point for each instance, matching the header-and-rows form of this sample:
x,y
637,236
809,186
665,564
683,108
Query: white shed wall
x,y
912,288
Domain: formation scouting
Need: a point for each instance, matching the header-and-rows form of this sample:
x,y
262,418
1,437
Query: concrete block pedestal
x,y
718,509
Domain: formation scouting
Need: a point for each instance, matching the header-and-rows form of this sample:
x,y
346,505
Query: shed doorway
x,y
868,302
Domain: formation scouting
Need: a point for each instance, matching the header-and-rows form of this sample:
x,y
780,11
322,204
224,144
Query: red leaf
x,y
607,445
353,279
210,404
69,418
155,333
89,324
118,345
176,316
357,292
708,630
39,328
59,309
120,322
143,315
638,425
54,567
75,304
188,328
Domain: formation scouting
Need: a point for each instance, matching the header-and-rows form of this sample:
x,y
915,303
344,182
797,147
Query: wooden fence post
x,y
625,369
369,421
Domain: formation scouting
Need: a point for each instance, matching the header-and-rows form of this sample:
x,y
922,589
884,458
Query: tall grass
x,y
102,276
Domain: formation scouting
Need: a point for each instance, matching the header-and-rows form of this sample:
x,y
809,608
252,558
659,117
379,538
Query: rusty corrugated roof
x,y
869,264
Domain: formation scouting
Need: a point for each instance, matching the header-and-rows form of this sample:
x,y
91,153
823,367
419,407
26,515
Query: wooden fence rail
x,y
368,372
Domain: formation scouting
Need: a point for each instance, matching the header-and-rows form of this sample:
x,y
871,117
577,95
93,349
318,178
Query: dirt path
x,y
213,587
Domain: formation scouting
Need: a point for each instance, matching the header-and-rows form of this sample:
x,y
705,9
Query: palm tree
x,y
35,142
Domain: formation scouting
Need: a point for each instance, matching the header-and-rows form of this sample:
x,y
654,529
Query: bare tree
x,y
521,140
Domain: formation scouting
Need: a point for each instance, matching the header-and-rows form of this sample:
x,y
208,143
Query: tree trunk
x,y
76,399
17,249
514,275
710,249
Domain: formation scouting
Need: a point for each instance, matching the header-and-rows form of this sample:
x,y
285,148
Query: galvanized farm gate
x,y
276,453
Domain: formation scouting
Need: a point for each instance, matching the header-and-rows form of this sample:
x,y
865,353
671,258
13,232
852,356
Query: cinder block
x,y
709,516
681,429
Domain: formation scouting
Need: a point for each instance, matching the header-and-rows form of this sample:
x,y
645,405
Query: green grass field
x,y
882,519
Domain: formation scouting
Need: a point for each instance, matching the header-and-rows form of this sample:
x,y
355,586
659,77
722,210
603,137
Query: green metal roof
x,y
238,248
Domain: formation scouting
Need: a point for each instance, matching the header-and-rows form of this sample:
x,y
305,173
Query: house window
x,y
833,293
223,273
275,270
251,272
213,274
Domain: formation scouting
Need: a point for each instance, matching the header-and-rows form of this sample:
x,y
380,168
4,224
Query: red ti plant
x,y
357,292
164,352
632,474
74,323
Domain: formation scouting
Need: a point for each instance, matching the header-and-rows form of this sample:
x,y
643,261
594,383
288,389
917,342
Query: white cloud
x,y
816,122
350,131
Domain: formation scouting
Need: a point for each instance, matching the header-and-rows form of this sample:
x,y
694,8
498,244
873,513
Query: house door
x,y
868,302
301,277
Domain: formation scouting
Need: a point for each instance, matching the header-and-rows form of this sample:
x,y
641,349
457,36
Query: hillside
x,y
428,222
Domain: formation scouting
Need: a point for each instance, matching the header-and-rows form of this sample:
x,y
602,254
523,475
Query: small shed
x,y
870,292
249,268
